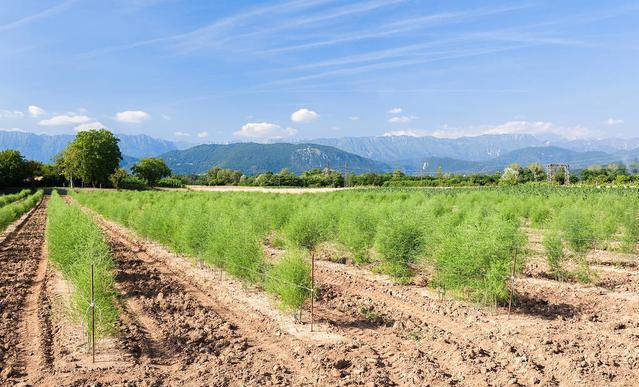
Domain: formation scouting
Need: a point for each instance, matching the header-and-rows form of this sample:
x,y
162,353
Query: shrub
x,y
133,182
290,279
630,232
553,245
170,182
356,230
306,229
475,259
576,225
399,241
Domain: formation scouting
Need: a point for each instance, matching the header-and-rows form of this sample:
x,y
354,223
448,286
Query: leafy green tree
x,y
151,169
220,176
13,168
93,156
537,171
118,177
509,177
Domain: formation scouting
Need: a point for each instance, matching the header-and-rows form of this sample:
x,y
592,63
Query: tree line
x,y
93,159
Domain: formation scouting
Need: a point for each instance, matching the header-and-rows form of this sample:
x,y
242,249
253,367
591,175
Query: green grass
x,y
74,243
12,211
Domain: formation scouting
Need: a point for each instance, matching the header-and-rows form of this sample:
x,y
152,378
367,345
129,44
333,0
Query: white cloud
x,y
132,116
13,130
304,115
401,119
613,121
11,113
165,116
406,132
65,119
396,110
265,130
89,126
35,111
353,118
181,134
514,127
203,134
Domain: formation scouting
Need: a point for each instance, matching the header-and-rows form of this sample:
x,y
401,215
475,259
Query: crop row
x,y
74,244
10,198
12,211
465,239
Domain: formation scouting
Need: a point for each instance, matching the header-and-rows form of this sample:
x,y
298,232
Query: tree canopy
x,y
151,169
92,157
13,168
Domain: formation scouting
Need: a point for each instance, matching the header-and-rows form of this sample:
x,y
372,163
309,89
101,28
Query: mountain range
x,y
414,155
253,158
43,147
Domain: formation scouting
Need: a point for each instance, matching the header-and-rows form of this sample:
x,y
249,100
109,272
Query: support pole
x,y
312,288
512,284
92,315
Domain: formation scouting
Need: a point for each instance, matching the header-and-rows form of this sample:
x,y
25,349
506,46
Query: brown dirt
x,y
559,333
21,279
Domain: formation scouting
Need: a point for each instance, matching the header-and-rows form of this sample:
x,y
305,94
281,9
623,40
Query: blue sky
x,y
216,71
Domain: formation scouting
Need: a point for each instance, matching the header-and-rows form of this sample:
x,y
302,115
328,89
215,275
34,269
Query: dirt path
x,y
527,349
21,279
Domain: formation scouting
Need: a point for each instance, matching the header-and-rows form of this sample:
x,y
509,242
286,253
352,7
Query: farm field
x,y
409,287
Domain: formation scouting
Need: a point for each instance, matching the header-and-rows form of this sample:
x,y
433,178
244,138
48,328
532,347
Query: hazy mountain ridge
x,y
253,158
524,156
43,147
481,154
391,149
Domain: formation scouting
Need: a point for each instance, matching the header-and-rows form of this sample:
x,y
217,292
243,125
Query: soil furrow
x,y
543,348
200,345
21,282
314,358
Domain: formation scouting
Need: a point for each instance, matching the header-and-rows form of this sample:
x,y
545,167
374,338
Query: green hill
x,y
253,158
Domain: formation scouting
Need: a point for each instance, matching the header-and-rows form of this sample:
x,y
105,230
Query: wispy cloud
x,y
204,35
37,16
65,119
397,27
395,64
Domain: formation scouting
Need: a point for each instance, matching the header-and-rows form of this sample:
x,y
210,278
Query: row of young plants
x,y
214,235
9,213
10,198
466,239
74,244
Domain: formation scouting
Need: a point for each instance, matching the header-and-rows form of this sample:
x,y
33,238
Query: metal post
x,y
312,287
92,316
512,284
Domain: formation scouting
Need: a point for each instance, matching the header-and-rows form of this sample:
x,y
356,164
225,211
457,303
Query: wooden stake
x,y
92,316
312,287
512,284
